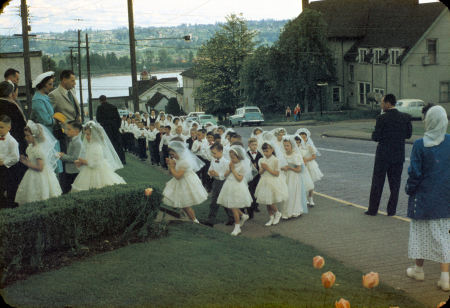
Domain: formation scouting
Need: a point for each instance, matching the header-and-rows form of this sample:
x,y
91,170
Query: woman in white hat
x,y
42,110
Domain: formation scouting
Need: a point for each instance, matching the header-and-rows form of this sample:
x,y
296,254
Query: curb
x,y
336,135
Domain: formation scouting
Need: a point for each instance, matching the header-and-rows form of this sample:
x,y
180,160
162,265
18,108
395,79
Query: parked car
x,y
123,112
413,107
195,113
205,118
247,115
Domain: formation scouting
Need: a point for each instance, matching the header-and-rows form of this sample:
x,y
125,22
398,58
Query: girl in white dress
x,y
272,187
234,193
309,152
39,182
185,188
98,160
279,133
296,204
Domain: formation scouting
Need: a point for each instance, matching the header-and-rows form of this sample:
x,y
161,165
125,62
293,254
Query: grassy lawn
x,y
196,266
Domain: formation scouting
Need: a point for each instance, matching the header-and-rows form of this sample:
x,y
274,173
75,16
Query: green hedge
x,y
29,232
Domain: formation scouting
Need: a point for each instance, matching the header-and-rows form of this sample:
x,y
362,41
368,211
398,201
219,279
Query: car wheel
x,y
232,125
241,124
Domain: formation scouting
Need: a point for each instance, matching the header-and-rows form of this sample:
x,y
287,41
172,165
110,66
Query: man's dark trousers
x,y
214,207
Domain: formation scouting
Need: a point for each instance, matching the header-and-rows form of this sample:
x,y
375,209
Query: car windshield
x,y
399,103
251,110
205,117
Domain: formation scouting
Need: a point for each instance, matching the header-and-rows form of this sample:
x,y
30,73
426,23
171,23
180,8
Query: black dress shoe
x,y
207,223
391,214
370,214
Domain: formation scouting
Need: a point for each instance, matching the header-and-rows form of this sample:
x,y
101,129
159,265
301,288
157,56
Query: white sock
x,y
419,269
196,221
444,276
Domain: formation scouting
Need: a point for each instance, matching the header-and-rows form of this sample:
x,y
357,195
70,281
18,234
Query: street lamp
x,y
320,85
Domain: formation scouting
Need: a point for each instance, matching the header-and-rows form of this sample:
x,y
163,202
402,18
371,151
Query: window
x,y
362,52
336,95
377,52
394,54
351,72
444,93
431,49
364,88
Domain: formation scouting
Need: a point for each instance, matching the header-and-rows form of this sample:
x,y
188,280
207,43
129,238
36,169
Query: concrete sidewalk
x,y
357,134
366,243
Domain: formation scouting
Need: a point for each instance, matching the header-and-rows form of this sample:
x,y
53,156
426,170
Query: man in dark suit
x,y
254,156
391,130
108,117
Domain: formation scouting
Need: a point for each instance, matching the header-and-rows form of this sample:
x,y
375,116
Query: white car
x,y
413,107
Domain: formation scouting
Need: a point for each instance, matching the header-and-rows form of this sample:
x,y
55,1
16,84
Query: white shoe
x,y
244,218
270,222
311,202
276,220
412,273
444,285
196,221
236,231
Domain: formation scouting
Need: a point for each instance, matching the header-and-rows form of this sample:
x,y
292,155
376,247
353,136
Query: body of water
x,y
115,85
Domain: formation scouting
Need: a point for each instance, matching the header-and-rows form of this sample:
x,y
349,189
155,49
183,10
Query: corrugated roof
x,y
155,99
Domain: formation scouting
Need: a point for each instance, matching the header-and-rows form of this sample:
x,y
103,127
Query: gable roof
x,y
156,99
378,23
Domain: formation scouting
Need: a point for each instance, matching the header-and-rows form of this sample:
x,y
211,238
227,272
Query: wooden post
x,y
91,115
26,54
71,59
133,56
79,76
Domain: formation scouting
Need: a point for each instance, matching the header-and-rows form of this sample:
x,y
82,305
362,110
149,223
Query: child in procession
x,y
254,156
73,131
9,157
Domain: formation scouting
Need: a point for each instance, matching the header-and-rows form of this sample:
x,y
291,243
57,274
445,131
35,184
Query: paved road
x,y
347,165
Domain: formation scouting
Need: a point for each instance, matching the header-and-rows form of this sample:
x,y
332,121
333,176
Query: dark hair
x,y
202,130
265,146
303,133
217,136
102,98
231,134
5,119
210,134
217,146
76,124
6,88
41,84
10,72
65,74
237,136
168,126
298,138
390,98
251,140
426,108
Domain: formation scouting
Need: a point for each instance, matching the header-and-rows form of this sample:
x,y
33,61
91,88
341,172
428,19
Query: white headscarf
x,y
245,161
185,154
309,141
436,123
45,140
295,148
98,135
269,138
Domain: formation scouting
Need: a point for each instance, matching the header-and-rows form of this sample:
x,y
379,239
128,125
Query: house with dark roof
x,y
387,46
190,83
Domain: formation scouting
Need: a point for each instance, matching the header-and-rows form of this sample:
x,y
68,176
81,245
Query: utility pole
x,y
26,53
79,76
71,59
91,115
133,56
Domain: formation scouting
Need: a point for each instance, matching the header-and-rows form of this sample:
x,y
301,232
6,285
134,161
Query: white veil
x,y
98,135
269,137
184,153
158,118
46,141
436,123
295,148
308,135
245,161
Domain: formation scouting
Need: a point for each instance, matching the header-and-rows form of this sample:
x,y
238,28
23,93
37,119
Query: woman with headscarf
x,y
428,187
43,112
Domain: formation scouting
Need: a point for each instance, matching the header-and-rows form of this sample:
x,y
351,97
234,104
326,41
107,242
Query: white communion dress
x,y
312,165
37,185
235,194
98,173
271,189
186,191
296,204
307,180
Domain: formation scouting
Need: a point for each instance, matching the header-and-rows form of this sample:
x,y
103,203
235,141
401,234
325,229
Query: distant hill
x,y
56,44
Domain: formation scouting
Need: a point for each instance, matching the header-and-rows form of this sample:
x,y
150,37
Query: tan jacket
x,y
61,103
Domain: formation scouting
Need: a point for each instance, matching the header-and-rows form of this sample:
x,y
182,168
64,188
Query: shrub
x,y
31,231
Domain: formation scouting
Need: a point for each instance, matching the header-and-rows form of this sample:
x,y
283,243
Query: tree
x,y
220,60
173,107
305,59
48,64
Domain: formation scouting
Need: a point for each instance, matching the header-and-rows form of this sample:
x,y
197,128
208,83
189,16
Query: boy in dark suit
x,y
391,130
254,156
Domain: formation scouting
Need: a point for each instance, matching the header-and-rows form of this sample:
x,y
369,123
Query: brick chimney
x,y
305,4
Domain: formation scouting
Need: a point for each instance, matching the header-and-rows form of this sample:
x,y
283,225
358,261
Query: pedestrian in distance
x,y
429,197
288,113
297,112
391,130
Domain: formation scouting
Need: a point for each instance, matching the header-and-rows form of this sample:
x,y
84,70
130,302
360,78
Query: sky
x,y
62,15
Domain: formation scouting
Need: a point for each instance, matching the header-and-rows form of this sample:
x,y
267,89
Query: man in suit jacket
x,y
64,100
254,156
108,117
391,130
